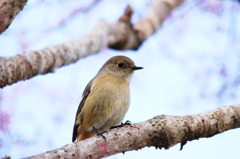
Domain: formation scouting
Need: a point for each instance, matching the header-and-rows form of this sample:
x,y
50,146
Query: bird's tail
x,y
84,135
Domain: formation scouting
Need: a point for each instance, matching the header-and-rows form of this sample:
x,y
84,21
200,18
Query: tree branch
x,y
160,132
121,35
8,10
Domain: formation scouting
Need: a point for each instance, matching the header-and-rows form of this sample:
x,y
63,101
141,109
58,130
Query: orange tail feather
x,y
84,135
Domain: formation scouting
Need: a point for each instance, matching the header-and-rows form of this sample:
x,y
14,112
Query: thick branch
x,y
121,35
158,11
160,132
8,10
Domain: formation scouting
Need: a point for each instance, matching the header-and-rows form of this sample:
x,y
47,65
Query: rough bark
x,y
160,132
8,10
121,35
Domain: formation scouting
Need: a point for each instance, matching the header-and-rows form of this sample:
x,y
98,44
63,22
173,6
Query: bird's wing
x,y
86,92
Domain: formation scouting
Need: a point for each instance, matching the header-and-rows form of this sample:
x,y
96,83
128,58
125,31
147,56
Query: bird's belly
x,y
117,105
115,119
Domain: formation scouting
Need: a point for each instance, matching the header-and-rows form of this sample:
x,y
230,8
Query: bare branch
x,y
8,10
121,35
155,16
160,132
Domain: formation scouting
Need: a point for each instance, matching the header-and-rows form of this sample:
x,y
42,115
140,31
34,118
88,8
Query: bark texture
x,y
121,35
8,10
160,132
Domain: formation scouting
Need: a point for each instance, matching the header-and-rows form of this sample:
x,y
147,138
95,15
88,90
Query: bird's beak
x,y
137,68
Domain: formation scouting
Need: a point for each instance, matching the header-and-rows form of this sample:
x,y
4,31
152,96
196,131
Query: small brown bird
x,y
105,99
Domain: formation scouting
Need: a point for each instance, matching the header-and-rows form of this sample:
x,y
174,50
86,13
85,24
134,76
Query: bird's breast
x,y
110,90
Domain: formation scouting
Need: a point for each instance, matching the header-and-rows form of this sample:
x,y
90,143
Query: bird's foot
x,y
127,123
100,133
122,124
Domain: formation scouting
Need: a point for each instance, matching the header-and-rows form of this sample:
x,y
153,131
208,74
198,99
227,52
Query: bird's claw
x,y
127,123
122,124
100,133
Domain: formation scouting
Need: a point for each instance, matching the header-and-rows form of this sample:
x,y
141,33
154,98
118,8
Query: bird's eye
x,y
120,64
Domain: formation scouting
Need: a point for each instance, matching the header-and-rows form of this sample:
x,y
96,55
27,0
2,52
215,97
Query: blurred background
x,y
191,65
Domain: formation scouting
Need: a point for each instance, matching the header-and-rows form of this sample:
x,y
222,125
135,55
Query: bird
x,y
105,100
